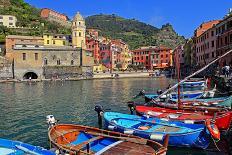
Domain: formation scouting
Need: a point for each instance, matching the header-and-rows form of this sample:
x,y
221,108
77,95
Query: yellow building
x,y
8,21
55,39
78,32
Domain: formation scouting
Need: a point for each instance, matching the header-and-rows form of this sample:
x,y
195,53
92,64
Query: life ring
x,y
213,129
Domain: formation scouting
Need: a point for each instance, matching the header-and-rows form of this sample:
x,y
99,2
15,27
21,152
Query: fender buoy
x,y
213,129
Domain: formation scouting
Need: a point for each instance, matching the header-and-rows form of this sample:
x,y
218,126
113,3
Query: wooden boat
x,y
180,134
9,147
78,139
222,119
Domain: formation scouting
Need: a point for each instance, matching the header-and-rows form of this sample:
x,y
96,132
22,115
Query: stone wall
x,y
62,72
5,69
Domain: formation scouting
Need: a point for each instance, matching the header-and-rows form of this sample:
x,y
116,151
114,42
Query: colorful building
x,y
8,21
52,15
56,39
92,44
152,57
224,38
205,42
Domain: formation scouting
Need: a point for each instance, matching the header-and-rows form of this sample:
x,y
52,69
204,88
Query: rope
x,y
216,144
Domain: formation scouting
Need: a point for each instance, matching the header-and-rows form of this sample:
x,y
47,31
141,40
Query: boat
x,y
215,102
10,147
180,134
222,119
194,83
78,139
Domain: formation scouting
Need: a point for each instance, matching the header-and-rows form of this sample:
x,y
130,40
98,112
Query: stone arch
x,y
30,75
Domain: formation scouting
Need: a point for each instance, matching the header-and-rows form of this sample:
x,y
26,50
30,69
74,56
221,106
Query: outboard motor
x,y
99,110
131,106
51,121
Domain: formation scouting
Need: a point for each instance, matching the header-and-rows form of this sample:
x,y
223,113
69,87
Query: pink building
x,y
205,42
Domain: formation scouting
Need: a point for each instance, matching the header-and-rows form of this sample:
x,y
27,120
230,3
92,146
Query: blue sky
x,y
184,15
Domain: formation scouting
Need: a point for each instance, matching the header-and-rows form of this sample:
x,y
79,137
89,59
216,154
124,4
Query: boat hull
x,y
198,138
222,119
77,139
16,147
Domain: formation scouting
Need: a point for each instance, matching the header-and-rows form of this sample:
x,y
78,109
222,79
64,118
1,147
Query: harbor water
x,y
24,106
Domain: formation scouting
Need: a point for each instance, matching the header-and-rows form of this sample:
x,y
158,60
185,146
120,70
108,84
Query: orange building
x,y
52,15
152,57
12,40
48,13
92,44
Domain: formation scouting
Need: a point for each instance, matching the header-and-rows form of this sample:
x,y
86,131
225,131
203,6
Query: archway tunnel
x,y
30,75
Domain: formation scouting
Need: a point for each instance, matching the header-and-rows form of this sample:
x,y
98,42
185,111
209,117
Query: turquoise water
x,y
24,106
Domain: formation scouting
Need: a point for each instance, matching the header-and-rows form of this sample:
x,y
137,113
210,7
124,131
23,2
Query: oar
x,y
129,139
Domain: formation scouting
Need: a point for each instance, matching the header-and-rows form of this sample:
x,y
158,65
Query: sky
x,y
184,15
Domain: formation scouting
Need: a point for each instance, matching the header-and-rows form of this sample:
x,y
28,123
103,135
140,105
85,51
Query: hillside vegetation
x,y
131,31
134,32
29,18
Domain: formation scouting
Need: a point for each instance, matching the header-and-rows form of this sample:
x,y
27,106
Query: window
x,y
45,61
212,54
226,40
58,62
36,56
79,34
10,18
63,42
54,42
212,43
1,17
212,33
1,23
79,23
72,62
10,23
161,56
24,56
47,41
166,55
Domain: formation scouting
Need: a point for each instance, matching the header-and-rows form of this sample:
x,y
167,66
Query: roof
x,y
78,17
23,37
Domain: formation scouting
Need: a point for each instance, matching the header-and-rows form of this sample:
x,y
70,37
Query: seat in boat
x,y
167,129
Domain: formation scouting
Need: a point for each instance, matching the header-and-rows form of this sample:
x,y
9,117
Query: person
x,y
227,71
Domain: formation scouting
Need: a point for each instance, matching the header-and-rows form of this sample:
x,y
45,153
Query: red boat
x,y
222,119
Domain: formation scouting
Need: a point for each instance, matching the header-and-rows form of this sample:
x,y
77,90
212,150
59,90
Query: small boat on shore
x,y
180,134
9,147
78,139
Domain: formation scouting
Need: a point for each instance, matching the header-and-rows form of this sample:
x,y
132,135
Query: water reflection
x,y
24,106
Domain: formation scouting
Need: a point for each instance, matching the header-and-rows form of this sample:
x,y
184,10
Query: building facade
x,y
224,39
52,15
152,57
92,44
78,32
56,39
8,21
205,42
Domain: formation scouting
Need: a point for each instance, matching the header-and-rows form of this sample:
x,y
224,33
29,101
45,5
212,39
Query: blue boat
x,y
180,134
9,147
193,84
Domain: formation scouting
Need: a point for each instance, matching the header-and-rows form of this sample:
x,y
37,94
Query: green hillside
x,y
133,32
28,17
